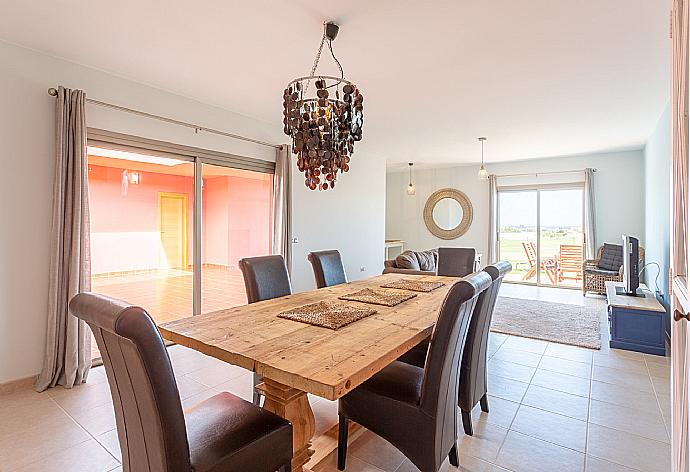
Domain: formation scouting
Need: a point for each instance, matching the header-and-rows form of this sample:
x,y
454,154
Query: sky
x,y
558,208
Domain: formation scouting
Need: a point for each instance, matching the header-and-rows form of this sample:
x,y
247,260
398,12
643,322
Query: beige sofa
x,y
413,262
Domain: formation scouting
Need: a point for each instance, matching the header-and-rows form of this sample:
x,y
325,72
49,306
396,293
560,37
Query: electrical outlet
x,y
362,269
294,240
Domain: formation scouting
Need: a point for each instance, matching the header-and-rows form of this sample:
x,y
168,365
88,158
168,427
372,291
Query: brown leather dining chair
x,y
414,408
265,277
223,433
473,382
456,261
472,388
328,268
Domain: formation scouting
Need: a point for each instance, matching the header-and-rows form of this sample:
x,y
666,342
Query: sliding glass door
x,y
541,234
167,230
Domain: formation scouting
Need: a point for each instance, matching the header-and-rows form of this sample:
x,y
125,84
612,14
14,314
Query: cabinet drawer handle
x,y
677,315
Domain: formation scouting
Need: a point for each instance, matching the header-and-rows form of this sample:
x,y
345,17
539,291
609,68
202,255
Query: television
x,y
631,270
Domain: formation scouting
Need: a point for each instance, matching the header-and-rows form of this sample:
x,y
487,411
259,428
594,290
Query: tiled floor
x,y
553,408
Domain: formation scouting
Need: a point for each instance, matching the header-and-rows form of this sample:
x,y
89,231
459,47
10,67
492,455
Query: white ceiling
x,y
537,77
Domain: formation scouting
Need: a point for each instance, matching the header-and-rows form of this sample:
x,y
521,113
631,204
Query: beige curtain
x,y
68,340
590,216
282,202
493,220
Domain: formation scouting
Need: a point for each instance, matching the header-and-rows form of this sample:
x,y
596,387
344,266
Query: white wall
x,y
349,218
657,165
619,189
345,219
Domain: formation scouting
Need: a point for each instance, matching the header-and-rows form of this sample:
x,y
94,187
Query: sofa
x,y
413,263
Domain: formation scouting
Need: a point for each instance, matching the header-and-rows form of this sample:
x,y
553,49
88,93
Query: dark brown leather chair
x,y
473,383
265,277
456,261
328,268
223,433
415,408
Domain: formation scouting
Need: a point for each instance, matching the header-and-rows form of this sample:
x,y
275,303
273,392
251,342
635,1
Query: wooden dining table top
x,y
325,362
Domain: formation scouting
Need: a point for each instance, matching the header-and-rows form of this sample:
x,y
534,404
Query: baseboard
x,y
19,384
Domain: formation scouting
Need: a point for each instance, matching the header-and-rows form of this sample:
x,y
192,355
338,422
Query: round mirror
x,y
448,213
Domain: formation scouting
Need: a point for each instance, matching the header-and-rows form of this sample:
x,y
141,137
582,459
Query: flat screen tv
x,y
631,271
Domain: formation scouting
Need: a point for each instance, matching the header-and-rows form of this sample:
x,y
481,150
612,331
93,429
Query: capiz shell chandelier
x,y
323,116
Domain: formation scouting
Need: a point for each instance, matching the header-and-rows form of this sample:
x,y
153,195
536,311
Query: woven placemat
x,y
414,285
327,314
378,297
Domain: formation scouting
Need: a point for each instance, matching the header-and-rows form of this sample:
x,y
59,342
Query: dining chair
x,y
221,433
456,261
328,268
265,277
414,408
473,382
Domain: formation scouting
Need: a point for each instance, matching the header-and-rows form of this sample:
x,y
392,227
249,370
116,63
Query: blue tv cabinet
x,y
636,323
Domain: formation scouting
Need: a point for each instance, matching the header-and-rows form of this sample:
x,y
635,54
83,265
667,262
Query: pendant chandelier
x,y
410,187
323,116
483,173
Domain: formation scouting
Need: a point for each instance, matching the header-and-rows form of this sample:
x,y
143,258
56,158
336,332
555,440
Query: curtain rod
x,y
53,93
537,174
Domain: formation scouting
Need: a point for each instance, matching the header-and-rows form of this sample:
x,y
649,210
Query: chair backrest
x,y
148,411
570,257
473,367
328,268
531,252
439,398
265,277
456,261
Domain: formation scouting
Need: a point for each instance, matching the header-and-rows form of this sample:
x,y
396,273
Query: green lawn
x,y
511,248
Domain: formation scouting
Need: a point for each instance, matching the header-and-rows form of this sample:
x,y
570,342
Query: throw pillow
x,y
407,260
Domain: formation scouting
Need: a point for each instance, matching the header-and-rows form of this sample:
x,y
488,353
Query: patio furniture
x,y
608,266
570,262
547,264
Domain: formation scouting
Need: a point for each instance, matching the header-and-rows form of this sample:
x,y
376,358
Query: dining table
x,y
296,359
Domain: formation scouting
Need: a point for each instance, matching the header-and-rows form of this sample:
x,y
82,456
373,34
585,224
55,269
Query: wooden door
x,y
680,307
172,224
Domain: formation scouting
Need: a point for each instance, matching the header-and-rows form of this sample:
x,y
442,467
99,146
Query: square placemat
x,y
379,297
414,285
330,315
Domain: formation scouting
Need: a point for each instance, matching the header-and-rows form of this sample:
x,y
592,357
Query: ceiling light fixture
x,y
410,187
323,122
483,173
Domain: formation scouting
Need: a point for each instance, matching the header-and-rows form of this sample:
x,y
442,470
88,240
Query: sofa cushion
x,y
598,271
427,260
611,257
407,260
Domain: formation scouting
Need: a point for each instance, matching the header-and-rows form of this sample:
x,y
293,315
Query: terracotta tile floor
x,y
168,295
553,407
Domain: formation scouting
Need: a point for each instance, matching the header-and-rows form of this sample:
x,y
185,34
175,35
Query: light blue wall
x,y
657,184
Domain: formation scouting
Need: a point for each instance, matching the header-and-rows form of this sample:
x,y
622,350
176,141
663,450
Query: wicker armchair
x,y
594,279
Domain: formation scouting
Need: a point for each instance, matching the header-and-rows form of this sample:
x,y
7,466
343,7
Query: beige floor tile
x,y
353,464
551,427
376,451
242,386
521,453
635,365
111,443
593,464
507,389
648,424
663,360
485,443
622,377
659,370
516,356
24,415
555,401
188,387
325,415
624,396
571,353
467,464
509,370
82,397
628,449
88,456
525,344
216,374
662,386
501,412
561,382
189,402
566,366
97,420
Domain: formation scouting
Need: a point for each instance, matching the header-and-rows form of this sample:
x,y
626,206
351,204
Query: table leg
x,y
293,405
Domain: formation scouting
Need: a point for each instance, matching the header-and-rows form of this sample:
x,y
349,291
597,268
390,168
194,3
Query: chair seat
x,y
227,433
397,381
598,271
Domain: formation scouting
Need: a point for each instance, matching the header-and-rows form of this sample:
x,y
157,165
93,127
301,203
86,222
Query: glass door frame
x,y
537,188
197,156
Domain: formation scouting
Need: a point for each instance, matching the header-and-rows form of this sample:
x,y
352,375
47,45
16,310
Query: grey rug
x,y
557,322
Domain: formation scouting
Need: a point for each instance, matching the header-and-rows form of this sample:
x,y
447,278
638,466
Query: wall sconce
x,y
134,178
